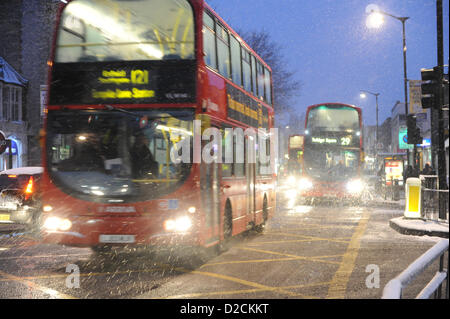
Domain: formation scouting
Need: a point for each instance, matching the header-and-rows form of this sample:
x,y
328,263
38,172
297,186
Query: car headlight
x,y
355,186
305,184
56,223
180,224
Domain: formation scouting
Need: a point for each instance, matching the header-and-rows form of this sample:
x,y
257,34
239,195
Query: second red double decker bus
x,y
128,79
332,152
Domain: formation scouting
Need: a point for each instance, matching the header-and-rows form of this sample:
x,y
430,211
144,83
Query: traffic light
x,y
430,87
413,134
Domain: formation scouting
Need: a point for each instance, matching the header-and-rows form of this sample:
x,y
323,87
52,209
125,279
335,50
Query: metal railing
x,y
392,188
434,199
395,287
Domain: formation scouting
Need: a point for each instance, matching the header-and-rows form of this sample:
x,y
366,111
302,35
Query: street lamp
x,y
375,20
363,96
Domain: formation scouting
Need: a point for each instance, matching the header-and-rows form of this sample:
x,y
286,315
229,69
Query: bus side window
x,y
254,82
223,51
260,75
246,70
267,86
209,41
236,71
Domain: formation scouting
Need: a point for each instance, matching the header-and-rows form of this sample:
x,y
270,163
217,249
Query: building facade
x,y
13,124
26,29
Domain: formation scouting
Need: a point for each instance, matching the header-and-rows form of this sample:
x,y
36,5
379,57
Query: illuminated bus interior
x,y
113,156
114,30
333,119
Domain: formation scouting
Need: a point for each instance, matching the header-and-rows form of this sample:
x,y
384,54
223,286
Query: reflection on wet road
x,y
319,251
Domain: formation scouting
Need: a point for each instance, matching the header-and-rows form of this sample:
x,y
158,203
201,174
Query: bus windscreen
x,y
333,119
116,155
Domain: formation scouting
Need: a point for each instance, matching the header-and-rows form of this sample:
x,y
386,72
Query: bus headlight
x,y
355,186
180,224
290,193
56,223
305,184
291,180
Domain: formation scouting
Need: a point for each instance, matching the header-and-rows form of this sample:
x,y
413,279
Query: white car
x,y
20,196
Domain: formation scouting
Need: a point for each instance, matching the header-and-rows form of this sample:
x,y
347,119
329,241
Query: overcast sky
x,y
335,55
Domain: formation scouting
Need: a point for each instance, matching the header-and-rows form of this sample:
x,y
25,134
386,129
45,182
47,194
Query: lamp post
x,y
363,95
375,20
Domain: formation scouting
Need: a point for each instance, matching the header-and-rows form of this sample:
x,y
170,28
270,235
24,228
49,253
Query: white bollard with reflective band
x,y
413,198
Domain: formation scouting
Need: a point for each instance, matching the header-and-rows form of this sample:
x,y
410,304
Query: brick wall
x,y
37,32
11,32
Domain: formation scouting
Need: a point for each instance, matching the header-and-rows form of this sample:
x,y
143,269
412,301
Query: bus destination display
x,y
123,82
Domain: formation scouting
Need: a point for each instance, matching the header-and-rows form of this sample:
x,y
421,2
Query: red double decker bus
x,y
128,80
295,153
332,153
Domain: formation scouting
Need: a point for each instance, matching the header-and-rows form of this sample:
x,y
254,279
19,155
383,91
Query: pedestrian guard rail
x,y
434,201
395,287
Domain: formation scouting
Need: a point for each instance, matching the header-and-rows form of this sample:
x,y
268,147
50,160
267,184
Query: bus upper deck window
x,y
117,30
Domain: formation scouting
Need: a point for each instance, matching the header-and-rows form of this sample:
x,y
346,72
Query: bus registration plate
x,y
117,239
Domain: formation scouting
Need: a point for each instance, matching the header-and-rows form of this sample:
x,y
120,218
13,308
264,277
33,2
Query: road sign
x,y
403,139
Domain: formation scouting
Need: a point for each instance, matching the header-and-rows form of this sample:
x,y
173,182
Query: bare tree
x,y
285,86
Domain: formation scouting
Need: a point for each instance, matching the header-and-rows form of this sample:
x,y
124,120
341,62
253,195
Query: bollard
x,y
396,190
392,188
413,198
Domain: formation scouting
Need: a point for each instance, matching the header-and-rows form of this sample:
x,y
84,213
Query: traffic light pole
x,y
405,79
441,169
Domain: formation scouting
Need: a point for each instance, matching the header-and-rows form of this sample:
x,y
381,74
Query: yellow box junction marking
x,y
53,293
340,280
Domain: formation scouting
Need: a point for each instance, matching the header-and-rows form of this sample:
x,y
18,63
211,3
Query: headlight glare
x,y
305,184
291,180
56,223
355,186
180,224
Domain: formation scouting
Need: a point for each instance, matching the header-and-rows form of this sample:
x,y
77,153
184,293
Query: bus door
x,y
250,160
210,194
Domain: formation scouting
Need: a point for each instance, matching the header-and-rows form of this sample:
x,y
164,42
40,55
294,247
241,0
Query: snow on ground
x,y
423,225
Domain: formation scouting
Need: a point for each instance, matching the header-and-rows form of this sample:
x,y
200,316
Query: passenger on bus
x,y
142,162
338,169
86,156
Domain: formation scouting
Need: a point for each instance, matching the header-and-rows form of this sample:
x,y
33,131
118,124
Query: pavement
x,y
417,226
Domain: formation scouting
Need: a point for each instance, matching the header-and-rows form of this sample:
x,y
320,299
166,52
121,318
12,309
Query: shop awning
x,y
9,75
